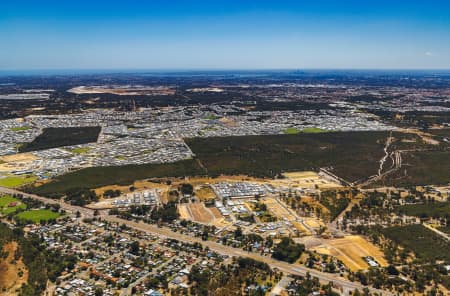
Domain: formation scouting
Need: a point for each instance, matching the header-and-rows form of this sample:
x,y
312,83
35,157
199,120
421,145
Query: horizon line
x,y
77,71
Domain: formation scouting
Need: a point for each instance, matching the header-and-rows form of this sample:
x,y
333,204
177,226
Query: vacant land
x,y
36,216
58,137
13,272
205,193
96,177
16,181
9,204
279,210
351,250
16,162
351,155
424,243
307,179
199,213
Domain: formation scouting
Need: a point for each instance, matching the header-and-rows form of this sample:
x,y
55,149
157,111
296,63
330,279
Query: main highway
x,y
345,285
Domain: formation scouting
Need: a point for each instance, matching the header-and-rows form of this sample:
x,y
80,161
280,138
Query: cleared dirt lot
x,y
199,213
308,179
351,250
16,162
184,212
276,208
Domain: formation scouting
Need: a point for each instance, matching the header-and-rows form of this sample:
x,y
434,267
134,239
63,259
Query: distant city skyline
x,y
209,35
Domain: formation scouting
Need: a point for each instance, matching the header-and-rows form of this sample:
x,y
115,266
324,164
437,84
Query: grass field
x,y
58,137
16,181
308,130
80,150
36,216
20,128
313,130
291,131
6,200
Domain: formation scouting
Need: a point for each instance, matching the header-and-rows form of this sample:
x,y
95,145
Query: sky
x,y
178,35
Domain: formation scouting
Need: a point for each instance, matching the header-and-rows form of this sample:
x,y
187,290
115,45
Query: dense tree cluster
x,y
287,250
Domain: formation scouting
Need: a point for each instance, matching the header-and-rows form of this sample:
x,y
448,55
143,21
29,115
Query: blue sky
x,y
152,34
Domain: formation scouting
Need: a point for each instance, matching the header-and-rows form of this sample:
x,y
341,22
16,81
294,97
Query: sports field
x,y
16,181
9,204
36,216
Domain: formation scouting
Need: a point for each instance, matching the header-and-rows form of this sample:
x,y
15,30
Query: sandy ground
x,y
314,223
307,179
9,269
228,121
278,210
199,213
315,204
16,162
301,228
184,212
216,213
350,250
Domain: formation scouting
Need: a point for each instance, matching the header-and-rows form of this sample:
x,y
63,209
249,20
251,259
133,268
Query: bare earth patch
x,y
10,270
351,250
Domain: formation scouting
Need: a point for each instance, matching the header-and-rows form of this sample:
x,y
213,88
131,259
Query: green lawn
x,y
15,181
308,130
6,200
37,215
20,128
312,130
291,131
80,150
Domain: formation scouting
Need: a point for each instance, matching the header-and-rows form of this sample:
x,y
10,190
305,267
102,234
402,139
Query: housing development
x,y
264,183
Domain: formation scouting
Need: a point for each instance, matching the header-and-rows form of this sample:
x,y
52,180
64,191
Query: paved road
x,y
345,284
